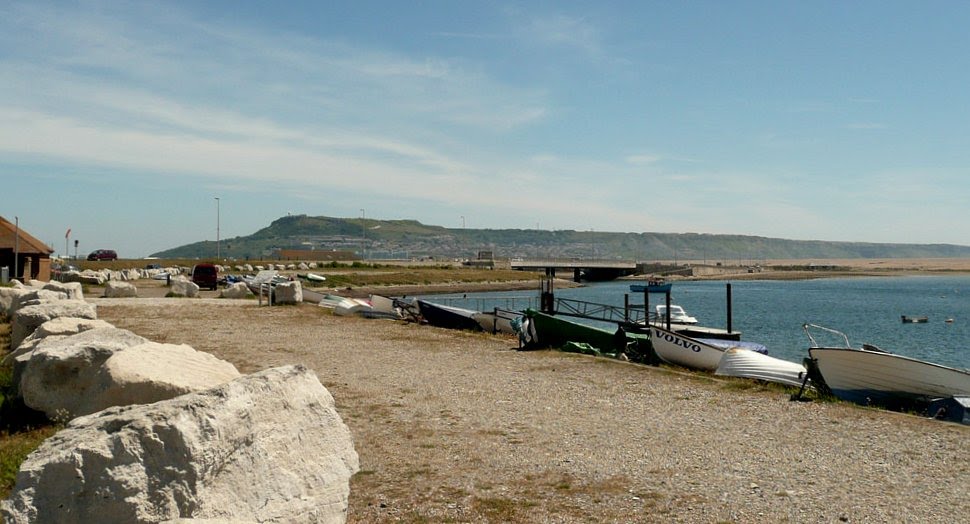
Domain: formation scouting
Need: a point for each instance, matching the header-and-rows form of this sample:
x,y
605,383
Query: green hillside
x,y
376,239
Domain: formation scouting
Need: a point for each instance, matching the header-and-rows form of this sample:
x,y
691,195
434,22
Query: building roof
x,y
28,243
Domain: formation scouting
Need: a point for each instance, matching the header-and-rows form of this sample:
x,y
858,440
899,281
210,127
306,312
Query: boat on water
x,y
686,325
906,319
677,314
870,375
746,363
449,317
555,331
652,285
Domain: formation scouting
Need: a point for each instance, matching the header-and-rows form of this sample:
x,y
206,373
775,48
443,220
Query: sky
x,y
143,126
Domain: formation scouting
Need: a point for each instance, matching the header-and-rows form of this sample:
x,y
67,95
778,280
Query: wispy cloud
x,y
866,125
109,91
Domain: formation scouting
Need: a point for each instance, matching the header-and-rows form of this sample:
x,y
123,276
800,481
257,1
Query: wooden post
x,y
729,312
668,309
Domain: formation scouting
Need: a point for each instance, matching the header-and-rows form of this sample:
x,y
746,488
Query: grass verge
x,y
21,429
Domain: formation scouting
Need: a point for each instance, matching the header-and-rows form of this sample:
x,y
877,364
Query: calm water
x,y
773,312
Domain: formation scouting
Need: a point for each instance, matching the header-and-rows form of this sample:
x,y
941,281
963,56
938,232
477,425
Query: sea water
x,y
772,312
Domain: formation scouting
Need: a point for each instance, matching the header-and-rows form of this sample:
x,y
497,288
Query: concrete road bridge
x,y
590,270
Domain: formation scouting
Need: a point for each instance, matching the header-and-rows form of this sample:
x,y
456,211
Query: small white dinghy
x,y
744,363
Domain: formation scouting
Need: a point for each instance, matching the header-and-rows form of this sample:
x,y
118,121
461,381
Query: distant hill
x,y
382,239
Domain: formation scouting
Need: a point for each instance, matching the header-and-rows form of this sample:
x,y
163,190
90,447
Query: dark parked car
x,y
103,254
205,275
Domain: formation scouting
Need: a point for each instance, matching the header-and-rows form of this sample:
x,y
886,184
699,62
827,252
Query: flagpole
x,y
16,248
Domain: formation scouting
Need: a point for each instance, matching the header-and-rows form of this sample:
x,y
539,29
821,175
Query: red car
x,y
103,254
206,275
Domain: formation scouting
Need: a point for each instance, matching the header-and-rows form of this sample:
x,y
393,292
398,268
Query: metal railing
x,y
486,303
603,312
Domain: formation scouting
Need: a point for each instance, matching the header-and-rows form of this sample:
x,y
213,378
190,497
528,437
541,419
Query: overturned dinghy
x,y
497,321
745,363
440,315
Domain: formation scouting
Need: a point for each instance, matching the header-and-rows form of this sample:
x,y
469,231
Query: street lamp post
x,y
218,246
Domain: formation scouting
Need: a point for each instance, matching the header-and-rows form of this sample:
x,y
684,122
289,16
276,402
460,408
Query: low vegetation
x,y
21,429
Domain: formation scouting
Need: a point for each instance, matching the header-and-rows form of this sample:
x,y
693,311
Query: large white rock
x,y
183,287
88,276
235,290
55,327
9,296
289,292
71,289
267,447
33,296
26,319
73,377
119,289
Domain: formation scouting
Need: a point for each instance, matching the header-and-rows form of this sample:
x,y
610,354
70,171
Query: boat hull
x,y
688,352
650,288
497,321
448,317
552,331
745,363
868,377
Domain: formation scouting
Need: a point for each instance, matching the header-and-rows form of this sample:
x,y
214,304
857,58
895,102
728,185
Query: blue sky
x,y
844,121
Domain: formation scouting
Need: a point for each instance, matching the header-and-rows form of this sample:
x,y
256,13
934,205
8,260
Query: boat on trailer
x,y
870,375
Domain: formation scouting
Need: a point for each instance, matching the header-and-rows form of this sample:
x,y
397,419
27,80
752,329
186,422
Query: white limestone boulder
x,y
91,277
235,290
28,318
267,447
35,296
68,379
71,289
9,296
55,327
289,293
184,287
119,289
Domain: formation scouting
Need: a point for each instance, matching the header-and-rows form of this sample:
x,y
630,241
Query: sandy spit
x,y
462,427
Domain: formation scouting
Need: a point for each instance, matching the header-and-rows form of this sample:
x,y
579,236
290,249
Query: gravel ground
x,y
461,427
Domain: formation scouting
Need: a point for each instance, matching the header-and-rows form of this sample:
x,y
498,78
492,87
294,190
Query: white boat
x,y
870,375
745,363
678,349
329,301
677,315
352,306
383,307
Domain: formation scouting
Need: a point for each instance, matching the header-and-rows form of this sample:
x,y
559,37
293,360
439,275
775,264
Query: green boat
x,y
553,331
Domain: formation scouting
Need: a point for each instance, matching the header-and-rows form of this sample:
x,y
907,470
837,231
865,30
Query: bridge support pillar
x,y
577,273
